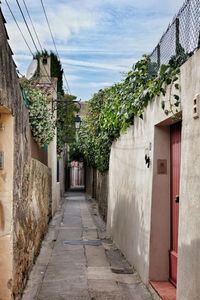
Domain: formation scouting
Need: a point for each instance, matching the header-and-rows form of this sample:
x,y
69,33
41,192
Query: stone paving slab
x,y
96,256
90,234
100,273
109,286
61,247
70,257
70,234
31,292
58,272
136,291
78,271
69,296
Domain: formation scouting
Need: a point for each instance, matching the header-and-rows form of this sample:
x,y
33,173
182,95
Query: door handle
x,y
177,199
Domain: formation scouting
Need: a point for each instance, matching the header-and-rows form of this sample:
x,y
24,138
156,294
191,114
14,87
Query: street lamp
x,y
77,120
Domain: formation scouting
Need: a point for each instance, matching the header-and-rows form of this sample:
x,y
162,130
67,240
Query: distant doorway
x,y
175,153
77,175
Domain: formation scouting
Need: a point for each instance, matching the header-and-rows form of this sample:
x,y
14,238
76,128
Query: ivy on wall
x,y
112,110
56,68
65,106
41,119
65,122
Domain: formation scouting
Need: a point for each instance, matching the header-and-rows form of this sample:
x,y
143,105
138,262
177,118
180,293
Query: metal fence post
x,y
198,44
177,35
158,55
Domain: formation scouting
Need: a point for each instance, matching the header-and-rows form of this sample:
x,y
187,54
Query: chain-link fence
x,y
182,36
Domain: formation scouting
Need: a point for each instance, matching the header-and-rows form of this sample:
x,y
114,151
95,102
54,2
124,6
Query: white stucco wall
x,y
62,175
130,188
52,164
189,220
129,202
139,198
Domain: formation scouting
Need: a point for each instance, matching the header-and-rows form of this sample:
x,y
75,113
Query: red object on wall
x,y
175,185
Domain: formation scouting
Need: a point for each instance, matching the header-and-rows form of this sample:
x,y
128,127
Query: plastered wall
x,y
189,219
139,197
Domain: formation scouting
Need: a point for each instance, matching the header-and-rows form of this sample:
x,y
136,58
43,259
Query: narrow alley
x,y
99,150
76,260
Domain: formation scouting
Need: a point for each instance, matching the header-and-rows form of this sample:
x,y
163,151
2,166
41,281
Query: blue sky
x,y
98,40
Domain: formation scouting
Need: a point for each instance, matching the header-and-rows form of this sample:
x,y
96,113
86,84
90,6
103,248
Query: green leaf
x,y
168,81
177,103
176,97
162,70
166,112
177,86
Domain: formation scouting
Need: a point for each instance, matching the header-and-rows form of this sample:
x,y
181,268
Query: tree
x,y
66,131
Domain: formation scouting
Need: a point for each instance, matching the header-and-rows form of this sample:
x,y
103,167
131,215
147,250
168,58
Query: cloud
x,y
70,20
93,85
96,39
96,65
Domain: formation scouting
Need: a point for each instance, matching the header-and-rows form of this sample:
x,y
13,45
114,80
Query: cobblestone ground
x,y
78,262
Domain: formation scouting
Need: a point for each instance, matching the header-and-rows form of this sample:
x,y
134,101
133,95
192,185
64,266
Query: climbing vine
x,y
65,122
41,120
56,68
65,106
112,110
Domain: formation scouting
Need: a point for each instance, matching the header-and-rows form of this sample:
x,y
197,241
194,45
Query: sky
x,y
97,40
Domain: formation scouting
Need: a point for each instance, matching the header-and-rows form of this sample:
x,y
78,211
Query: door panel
x,y
175,185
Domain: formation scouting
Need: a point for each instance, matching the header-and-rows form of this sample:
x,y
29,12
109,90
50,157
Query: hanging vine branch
x,y
65,108
112,110
41,120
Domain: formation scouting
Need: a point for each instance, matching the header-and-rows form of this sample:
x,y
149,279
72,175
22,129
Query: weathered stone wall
x,y
32,221
102,193
37,152
11,103
97,187
61,175
6,205
29,190
89,181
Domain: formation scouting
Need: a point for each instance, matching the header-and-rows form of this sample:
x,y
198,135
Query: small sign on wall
x,y
162,166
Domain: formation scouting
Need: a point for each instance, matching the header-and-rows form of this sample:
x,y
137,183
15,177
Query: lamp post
x,y
77,122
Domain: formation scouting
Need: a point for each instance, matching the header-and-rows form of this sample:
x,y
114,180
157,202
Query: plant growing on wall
x,y
65,107
112,110
41,120
65,122
169,77
56,68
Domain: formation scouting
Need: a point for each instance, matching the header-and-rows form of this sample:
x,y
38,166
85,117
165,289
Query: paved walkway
x,y
78,262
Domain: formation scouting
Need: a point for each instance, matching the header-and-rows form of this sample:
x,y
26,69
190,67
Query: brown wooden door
x,y
175,185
